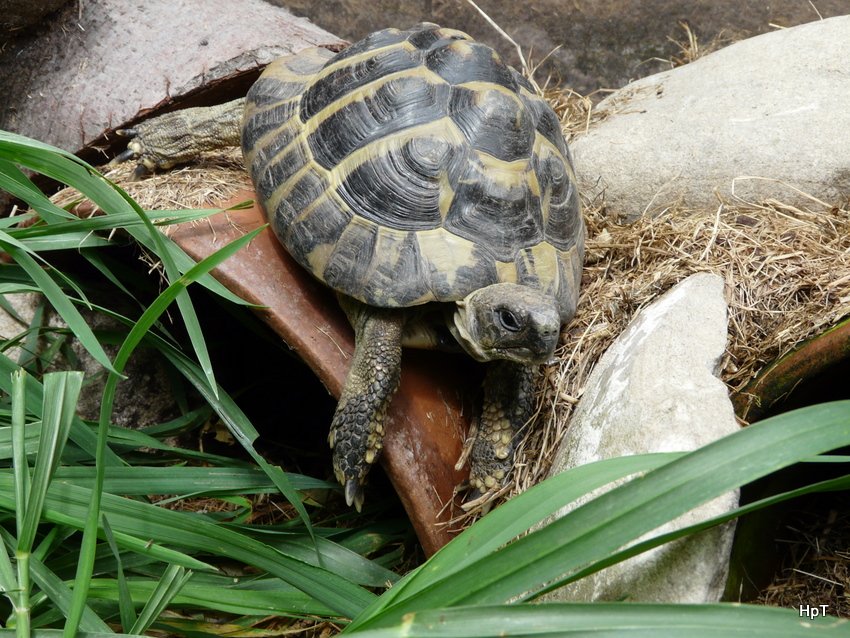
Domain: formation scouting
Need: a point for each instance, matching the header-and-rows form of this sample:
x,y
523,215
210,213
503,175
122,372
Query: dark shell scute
x,y
564,220
526,269
309,187
504,219
349,264
376,40
275,174
468,61
263,122
268,90
323,225
546,122
402,275
493,122
564,223
401,187
522,81
396,105
348,78
449,286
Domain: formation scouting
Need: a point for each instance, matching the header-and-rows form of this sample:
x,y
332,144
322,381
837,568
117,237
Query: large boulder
x,y
655,390
765,118
103,64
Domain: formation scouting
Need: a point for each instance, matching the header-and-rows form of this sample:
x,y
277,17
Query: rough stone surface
x,y
763,118
144,398
102,64
13,324
655,390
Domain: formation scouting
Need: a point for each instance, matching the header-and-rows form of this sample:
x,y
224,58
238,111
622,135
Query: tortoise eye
x,y
508,320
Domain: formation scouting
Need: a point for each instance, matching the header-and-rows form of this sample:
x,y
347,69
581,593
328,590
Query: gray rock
x,y
144,398
23,307
655,390
763,118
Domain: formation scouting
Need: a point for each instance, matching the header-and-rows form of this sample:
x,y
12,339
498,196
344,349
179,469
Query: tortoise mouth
x,y
524,355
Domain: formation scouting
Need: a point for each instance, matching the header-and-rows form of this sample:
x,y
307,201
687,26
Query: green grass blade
x,y
611,620
512,519
12,288
185,481
60,302
14,181
136,524
334,558
261,597
841,483
8,582
59,593
67,241
126,609
169,585
57,633
61,392
616,518
20,464
80,433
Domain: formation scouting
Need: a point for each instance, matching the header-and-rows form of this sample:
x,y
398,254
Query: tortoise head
x,y
507,321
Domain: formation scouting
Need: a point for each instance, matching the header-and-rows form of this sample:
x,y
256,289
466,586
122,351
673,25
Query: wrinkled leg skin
x,y
357,429
179,137
508,404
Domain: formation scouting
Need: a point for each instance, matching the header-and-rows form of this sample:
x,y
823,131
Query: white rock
x,y
24,305
763,118
655,390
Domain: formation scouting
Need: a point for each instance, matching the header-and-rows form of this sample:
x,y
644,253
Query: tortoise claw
x,y
140,171
124,156
127,132
354,494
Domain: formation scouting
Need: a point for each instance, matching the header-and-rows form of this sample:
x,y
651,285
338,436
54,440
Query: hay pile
x,y
787,274
215,178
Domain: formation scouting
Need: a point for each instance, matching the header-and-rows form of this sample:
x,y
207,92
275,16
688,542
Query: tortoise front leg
x,y
181,136
508,404
357,429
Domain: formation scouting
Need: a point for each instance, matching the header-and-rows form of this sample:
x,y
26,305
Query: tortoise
x,y
427,183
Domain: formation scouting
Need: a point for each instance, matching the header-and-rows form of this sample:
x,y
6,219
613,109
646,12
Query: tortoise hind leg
x,y
508,404
181,136
357,429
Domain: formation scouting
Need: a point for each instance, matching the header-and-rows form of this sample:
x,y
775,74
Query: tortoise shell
x,y
414,166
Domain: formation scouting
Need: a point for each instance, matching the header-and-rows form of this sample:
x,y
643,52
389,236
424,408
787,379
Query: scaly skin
x,y
358,425
182,136
508,404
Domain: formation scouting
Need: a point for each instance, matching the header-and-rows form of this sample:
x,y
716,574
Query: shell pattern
x,y
415,166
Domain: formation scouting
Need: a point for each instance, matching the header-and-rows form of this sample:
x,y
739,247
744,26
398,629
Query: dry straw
x,y
787,274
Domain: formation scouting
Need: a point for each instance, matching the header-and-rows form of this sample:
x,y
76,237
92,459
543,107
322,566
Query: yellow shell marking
x,y
368,90
360,57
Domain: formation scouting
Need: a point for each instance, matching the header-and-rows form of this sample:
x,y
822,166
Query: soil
x,y
588,46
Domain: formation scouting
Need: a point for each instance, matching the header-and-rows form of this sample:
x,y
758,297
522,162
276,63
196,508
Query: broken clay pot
x,y
776,381
427,419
